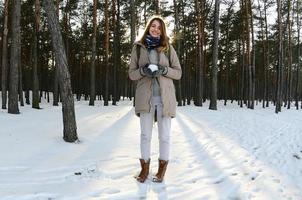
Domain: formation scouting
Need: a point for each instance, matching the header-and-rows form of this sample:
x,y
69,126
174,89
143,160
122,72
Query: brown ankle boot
x,y
162,167
144,171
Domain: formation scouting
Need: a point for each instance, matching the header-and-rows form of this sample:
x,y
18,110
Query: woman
x,y
154,64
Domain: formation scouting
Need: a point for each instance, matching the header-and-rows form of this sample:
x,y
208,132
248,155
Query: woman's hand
x,y
162,70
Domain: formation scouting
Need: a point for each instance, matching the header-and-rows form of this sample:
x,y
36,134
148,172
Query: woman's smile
x,y
155,29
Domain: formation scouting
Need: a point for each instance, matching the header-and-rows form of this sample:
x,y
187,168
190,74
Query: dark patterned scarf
x,y
152,42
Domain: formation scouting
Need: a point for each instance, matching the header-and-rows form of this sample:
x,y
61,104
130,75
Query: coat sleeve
x,y
134,71
174,71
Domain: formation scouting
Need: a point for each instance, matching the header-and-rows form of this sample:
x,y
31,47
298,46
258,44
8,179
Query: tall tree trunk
x,y
157,10
263,53
252,78
133,20
13,107
4,56
56,93
248,51
243,55
200,54
298,61
280,61
213,100
133,35
289,54
69,122
114,58
228,62
92,69
116,48
266,55
176,32
35,92
106,95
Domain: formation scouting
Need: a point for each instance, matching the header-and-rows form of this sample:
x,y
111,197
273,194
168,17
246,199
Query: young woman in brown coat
x,y
154,67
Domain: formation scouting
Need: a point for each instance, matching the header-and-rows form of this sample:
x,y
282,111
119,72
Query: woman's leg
x,y
164,129
146,122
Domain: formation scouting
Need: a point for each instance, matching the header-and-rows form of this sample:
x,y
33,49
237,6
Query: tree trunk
x,y
298,61
289,54
248,51
106,94
176,32
263,53
242,55
267,56
157,10
200,54
56,93
4,56
280,61
228,62
116,49
92,69
133,21
252,78
13,107
35,90
213,100
69,122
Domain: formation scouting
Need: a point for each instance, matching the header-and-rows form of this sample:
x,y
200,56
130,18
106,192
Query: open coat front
x,y
143,92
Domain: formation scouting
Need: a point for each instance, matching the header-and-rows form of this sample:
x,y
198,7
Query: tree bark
x,y
280,61
298,61
228,62
133,21
176,32
69,121
266,55
157,10
116,48
35,92
213,100
252,78
289,54
4,57
200,54
13,107
92,69
106,94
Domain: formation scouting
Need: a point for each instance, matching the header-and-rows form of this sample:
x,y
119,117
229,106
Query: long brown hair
x,y
164,39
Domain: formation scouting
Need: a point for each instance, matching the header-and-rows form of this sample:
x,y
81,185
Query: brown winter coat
x,y
143,91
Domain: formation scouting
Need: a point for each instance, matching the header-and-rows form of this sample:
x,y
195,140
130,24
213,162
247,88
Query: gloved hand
x,y
145,71
149,69
162,70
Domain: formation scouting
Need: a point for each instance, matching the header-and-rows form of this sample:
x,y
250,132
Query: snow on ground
x,y
233,154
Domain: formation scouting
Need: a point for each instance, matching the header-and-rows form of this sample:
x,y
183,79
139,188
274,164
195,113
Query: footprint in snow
x,y
234,174
111,191
219,181
253,176
277,180
215,154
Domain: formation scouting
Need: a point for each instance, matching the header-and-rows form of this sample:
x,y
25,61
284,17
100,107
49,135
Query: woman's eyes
x,y
154,26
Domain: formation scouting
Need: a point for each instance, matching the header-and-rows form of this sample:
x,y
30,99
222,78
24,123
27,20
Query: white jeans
x,y
164,128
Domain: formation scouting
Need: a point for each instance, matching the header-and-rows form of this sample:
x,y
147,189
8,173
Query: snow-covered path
x,y
232,153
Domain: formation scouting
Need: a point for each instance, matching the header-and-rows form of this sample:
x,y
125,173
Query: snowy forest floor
x,y
233,153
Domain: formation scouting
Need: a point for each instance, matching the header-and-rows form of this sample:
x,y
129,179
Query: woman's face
x,y
155,29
